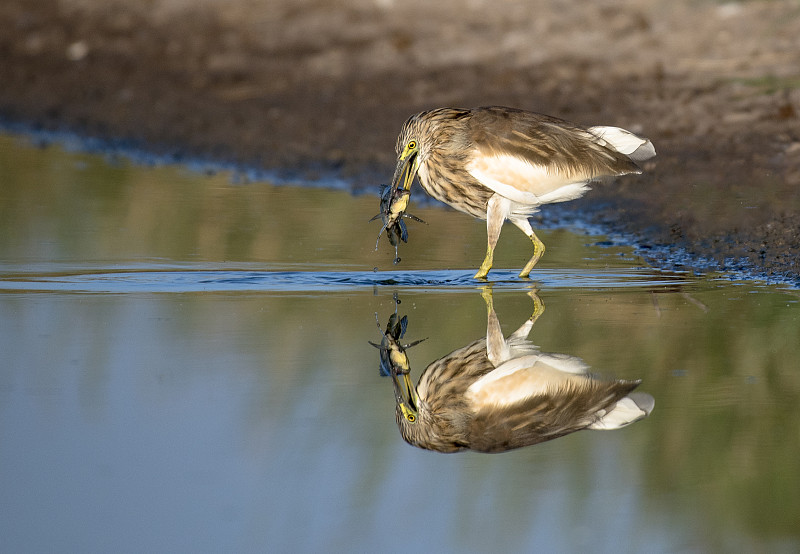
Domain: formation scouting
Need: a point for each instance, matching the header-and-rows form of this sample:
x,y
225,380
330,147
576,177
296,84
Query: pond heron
x,y
499,163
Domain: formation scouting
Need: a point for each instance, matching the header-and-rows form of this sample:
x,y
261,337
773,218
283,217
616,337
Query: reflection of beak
x,y
405,395
405,172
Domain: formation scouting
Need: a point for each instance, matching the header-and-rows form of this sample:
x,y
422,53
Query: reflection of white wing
x,y
566,363
632,408
526,376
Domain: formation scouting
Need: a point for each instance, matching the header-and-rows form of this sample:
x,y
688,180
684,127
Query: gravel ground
x,y
320,88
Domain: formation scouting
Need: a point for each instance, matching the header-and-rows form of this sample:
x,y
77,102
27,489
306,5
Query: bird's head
x,y
425,136
408,159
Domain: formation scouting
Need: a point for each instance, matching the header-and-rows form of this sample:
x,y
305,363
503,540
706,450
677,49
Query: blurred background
x,y
321,87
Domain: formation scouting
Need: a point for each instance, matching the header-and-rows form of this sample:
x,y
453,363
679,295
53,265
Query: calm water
x,y
185,368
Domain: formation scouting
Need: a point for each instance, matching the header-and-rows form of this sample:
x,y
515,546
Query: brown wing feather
x,y
542,140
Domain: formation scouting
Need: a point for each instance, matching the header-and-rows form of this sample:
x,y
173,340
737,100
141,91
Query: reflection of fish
x,y
498,394
394,361
393,354
393,205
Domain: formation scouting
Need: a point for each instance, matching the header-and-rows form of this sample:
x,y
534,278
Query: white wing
x,y
523,182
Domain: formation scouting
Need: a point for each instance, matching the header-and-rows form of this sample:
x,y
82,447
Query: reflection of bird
x,y
497,394
500,163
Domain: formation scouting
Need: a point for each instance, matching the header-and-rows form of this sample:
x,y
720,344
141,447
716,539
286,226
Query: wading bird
x,y
497,394
499,163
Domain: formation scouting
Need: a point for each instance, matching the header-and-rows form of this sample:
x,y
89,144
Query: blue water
x,y
186,368
200,278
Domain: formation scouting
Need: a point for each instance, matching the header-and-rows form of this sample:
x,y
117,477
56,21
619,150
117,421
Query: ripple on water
x,y
246,280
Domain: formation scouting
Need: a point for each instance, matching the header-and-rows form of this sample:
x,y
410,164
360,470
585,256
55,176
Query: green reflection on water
x,y
57,206
185,414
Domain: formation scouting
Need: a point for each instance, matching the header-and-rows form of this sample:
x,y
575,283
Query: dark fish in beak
x,y
393,205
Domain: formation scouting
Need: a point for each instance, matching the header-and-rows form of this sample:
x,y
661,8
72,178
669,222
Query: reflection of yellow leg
x,y
538,305
497,349
538,250
486,294
525,329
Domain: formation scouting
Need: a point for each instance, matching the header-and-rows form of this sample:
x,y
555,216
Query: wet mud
x,y
321,88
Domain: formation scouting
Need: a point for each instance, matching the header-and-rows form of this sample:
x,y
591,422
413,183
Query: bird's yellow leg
x,y
487,263
496,212
538,245
538,250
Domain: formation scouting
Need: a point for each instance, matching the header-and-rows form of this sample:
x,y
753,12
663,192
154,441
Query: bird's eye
x,y
411,418
412,144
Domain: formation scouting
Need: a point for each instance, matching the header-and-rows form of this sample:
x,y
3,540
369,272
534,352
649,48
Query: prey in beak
x,y
394,198
393,205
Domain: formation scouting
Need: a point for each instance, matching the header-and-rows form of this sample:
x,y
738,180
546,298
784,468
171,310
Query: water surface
x,y
185,368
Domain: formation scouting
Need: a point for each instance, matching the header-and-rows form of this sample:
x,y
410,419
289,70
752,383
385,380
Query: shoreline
x,y
321,93
666,258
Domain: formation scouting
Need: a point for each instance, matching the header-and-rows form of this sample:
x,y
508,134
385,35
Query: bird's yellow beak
x,y
407,166
406,395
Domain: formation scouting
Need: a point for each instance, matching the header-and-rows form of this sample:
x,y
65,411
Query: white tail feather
x,y
625,142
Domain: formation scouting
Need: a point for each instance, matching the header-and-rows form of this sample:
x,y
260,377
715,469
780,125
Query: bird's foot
x,y
486,265
538,251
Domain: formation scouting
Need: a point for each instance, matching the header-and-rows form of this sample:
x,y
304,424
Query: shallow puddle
x,y
186,367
